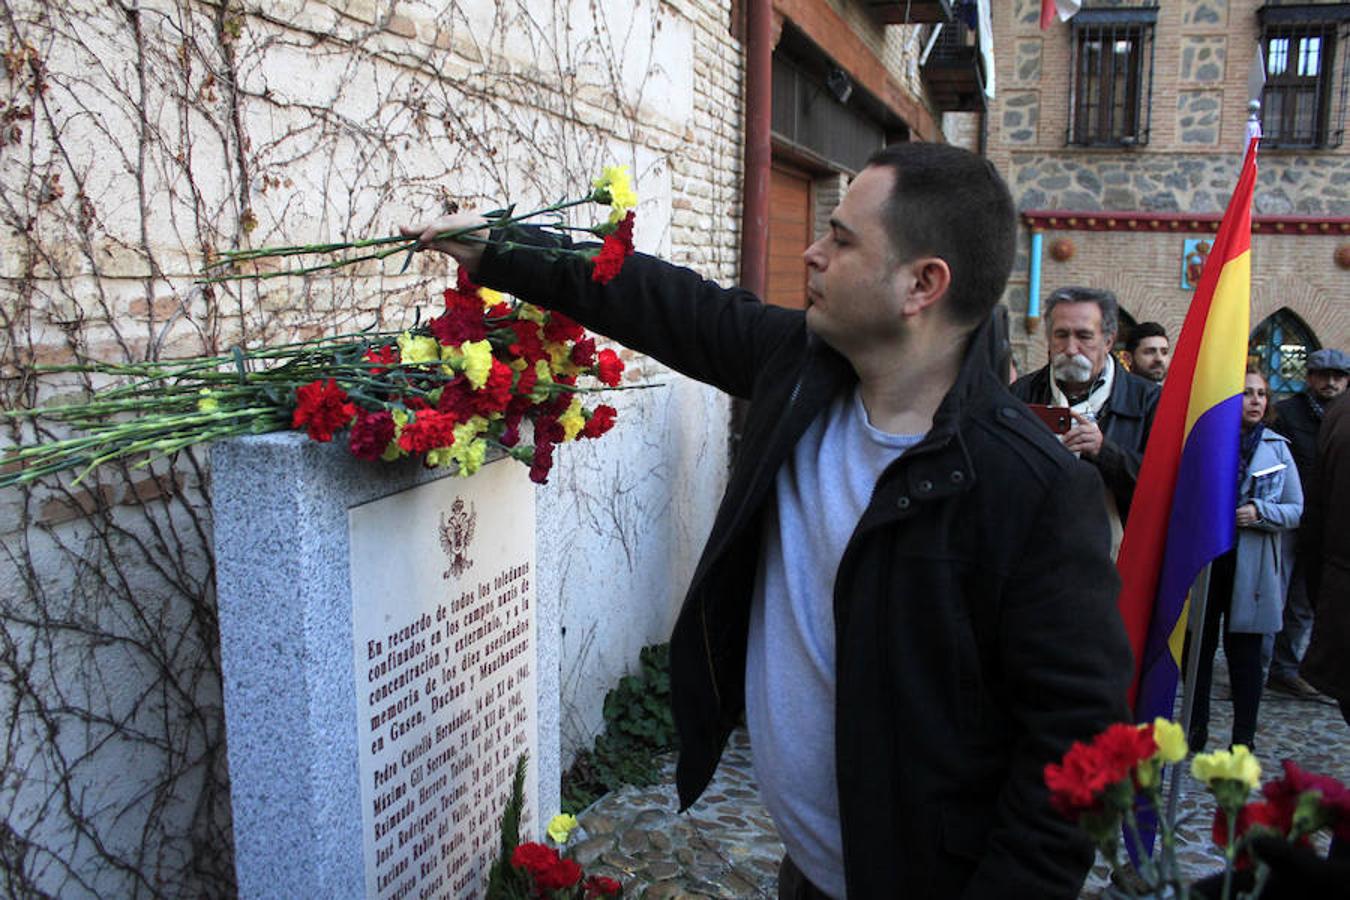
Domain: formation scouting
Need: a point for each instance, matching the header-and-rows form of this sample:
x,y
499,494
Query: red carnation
x,y
608,262
462,320
464,283
534,858
583,352
601,420
600,886
548,429
1334,798
457,399
624,230
562,328
1123,747
495,394
560,876
430,430
1077,783
511,431
371,434
527,344
542,462
525,384
617,246
321,408
608,367
382,357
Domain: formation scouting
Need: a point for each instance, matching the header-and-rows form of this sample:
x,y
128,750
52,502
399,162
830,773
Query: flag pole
x,y
1195,632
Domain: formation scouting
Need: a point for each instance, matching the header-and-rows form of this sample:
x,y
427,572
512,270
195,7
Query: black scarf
x,y
1247,449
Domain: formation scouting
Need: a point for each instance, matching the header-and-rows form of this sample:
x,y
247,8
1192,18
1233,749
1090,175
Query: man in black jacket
x,y
1112,409
907,588
1299,418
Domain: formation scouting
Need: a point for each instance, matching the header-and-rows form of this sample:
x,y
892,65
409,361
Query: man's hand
x,y
467,253
1247,515
1084,438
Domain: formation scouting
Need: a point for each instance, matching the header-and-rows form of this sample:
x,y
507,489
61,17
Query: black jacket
x,y
1296,420
976,628
1125,423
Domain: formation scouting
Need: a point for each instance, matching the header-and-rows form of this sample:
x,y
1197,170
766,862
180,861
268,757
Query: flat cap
x,y
1328,360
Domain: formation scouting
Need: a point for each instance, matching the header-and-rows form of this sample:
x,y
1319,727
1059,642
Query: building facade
x,y
847,80
1121,134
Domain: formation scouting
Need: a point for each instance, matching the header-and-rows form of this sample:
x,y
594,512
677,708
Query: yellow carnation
x,y
560,358
1171,740
490,297
477,362
414,349
1237,765
618,185
560,827
394,451
439,458
469,449
531,313
572,421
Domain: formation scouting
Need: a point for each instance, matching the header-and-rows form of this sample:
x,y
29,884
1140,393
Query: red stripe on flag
x,y
1047,13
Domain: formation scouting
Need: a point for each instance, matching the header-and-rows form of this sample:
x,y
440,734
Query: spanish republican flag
x,y
1183,511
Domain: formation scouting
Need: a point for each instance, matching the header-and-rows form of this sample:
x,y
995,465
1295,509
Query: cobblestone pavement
x,y
725,845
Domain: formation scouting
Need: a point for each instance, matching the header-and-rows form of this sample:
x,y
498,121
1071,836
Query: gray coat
x,y
1263,555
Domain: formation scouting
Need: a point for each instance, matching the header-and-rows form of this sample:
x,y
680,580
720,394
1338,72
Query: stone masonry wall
x,y
137,141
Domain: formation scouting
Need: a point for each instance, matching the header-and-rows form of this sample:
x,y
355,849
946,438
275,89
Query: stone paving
x,y
725,845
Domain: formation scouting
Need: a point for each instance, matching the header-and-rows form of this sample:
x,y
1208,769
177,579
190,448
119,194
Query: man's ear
x,y
1110,338
932,278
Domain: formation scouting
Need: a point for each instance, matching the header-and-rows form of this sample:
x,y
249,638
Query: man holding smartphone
x,y
1112,410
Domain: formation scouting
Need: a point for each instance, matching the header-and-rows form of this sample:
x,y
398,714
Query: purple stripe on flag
x,y
1202,525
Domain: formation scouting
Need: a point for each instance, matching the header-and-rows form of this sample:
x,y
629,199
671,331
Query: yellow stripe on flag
x,y
1222,361
1176,641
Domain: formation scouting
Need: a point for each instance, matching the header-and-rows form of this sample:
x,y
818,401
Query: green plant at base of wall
x,y
639,726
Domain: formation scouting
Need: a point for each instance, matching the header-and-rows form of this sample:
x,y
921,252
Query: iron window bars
x,y
1303,101
1111,83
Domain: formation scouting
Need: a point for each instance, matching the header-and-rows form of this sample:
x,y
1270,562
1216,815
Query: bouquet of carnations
x,y
540,870
1107,785
487,372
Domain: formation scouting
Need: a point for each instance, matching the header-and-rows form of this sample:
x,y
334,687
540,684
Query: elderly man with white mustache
x,y
1112,410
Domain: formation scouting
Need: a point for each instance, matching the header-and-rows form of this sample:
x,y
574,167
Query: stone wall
x,y
136,142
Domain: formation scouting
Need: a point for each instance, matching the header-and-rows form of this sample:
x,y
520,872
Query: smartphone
x,y
1057,418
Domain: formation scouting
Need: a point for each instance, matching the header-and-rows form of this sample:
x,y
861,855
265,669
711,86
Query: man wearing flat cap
x,y
1299,418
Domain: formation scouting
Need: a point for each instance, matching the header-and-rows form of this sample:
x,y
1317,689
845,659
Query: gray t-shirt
x,y
822,491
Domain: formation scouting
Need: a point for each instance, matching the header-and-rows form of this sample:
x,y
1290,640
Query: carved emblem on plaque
x,y
456,535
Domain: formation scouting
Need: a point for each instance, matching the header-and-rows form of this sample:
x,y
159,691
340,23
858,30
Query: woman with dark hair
x,y
1247,584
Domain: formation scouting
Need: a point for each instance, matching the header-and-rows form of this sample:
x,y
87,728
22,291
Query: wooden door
x,y
789,235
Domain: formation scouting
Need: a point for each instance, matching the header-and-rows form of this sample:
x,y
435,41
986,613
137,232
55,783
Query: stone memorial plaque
x,y
443,614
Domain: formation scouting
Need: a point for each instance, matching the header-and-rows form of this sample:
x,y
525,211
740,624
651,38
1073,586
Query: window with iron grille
x,y
1112,76
1303,101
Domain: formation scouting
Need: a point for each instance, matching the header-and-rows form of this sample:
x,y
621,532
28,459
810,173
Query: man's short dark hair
x,y
1144,330
1105,300
952,204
